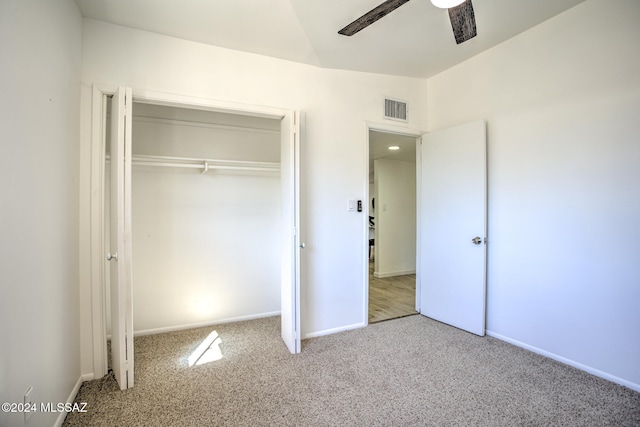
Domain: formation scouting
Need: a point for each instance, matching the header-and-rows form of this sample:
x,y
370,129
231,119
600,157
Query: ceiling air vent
x,y
395,109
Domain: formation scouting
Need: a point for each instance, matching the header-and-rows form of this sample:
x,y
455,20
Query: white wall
x,y
336,103
169,131
40,43
562,103
206,248
395,245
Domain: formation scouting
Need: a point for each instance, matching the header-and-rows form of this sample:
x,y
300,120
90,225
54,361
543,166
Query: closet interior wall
x,y
206,241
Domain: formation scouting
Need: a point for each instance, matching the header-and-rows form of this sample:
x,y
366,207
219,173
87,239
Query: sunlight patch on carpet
x,y
207,351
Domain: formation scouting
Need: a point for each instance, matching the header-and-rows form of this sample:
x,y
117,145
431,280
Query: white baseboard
x,y
70,399
334,330
88,377
577,365
392,273
203,324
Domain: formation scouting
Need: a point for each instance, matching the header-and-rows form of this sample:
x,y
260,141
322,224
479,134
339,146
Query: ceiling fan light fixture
x,y
461,15
446,4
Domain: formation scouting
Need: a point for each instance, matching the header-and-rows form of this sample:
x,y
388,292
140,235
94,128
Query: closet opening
x,y
206,209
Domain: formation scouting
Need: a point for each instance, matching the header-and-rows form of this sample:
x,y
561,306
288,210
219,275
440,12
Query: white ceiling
x,y
379,143
415,40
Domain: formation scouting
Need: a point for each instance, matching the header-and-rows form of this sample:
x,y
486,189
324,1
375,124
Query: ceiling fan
x,y
461,15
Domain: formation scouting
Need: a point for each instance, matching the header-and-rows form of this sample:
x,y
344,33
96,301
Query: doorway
x,y
451,251
204,184
287,132
392,223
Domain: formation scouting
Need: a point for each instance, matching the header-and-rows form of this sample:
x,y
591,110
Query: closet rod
x,y
205,164
210,161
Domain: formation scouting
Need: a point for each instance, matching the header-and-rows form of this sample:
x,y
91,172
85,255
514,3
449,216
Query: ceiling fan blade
x,y
463,22
372,16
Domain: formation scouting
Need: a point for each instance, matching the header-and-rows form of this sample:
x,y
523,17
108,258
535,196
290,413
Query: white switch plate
x,y
352,206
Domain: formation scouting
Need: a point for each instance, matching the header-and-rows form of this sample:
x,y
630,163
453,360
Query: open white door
x,y
290,179
454,223
120,255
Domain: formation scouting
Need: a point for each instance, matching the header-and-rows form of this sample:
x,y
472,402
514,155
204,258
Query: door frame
x,y
99,95
397,130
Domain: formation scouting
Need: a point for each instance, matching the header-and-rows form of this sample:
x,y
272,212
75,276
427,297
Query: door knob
x,y
302,245
476,240
112,257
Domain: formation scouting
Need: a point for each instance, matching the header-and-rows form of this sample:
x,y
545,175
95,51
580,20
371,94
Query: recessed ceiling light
x,y
394,148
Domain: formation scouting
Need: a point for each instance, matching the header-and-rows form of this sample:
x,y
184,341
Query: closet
x,y
206,217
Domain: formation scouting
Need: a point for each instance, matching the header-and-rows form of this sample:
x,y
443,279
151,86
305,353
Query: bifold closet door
x,y
291,244
120,255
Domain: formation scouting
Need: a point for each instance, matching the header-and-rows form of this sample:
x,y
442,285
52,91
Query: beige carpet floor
x,y
411,371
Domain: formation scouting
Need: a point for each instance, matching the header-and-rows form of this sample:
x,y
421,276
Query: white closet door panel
x,y
290,176
120,239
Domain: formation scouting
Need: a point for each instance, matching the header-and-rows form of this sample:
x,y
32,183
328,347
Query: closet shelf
x,y
204,164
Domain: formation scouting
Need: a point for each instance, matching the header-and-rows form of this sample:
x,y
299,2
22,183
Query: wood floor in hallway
x,y
391,297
